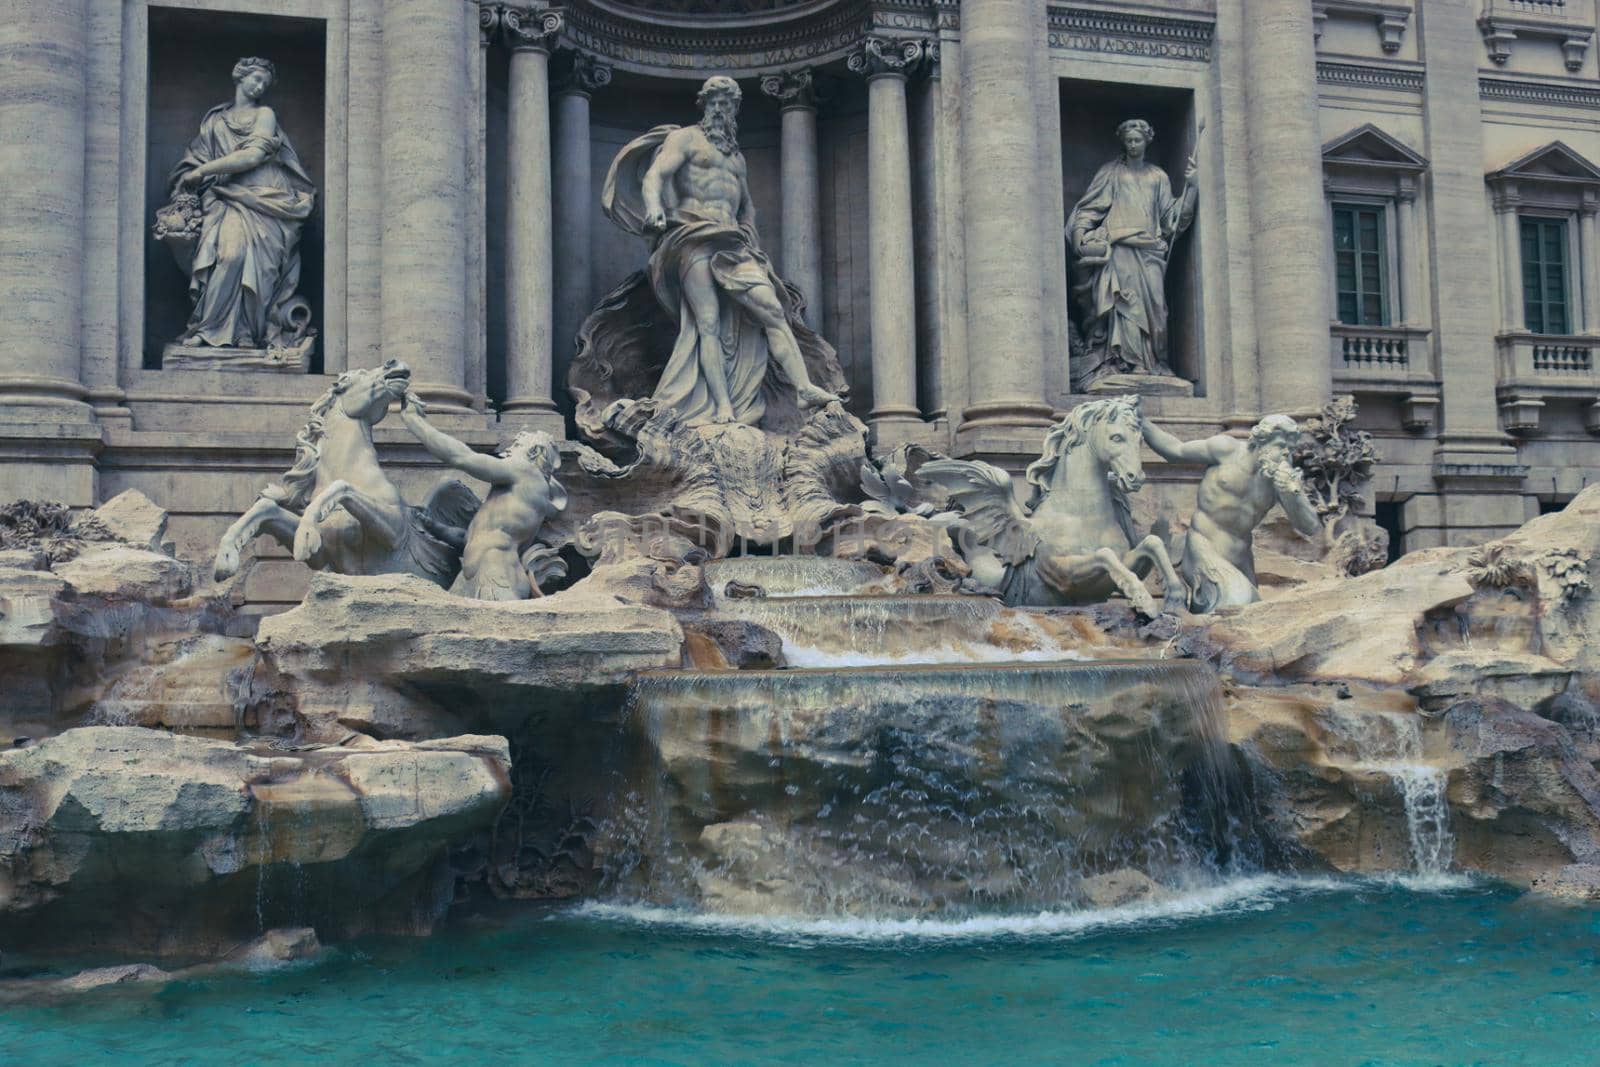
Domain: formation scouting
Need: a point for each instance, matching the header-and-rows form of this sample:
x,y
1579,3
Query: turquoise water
x,y
1261,971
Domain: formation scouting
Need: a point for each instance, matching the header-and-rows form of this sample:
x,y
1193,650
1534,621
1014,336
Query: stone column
x,y
1004,249
574,297
529,269
43,86
1289,237
1413,283
800,260
1588,259
885,62
425,190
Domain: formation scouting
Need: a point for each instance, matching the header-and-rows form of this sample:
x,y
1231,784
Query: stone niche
x,y
191,57
619,112
1090,113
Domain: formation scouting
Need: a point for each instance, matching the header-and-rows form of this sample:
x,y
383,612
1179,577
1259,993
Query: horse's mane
x,y
295,490
1072,432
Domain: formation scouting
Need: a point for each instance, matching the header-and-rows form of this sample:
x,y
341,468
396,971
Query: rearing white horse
x,y
337,510
1074,543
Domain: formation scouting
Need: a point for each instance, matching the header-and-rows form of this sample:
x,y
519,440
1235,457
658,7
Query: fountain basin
x,y
895,630
909,790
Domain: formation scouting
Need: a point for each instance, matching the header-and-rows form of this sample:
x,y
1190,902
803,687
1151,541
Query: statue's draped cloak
x,y
1125,298
615,348
247,263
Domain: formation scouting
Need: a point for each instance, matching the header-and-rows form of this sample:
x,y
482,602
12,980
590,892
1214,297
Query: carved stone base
x,y
204,357
714,485
1143,384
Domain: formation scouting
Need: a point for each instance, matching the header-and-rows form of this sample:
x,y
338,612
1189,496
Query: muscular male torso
x,y
506,522
708,183
1234,496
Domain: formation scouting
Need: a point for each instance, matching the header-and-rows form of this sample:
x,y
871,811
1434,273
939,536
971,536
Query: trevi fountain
x,y
696,710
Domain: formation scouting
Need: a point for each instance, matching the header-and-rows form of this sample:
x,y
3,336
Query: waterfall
x,y
1391,743
919,790
1422,788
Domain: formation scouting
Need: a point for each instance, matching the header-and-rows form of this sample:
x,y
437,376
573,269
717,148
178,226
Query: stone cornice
x,y
1553,94
1370,76
692,45
1084,29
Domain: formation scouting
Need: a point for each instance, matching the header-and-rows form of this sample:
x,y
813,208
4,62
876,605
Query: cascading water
x,y
912,791
1427,816
1391,742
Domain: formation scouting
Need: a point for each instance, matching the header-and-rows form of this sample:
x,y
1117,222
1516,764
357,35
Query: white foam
x,y
1236,896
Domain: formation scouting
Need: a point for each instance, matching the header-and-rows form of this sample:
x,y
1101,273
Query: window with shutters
x,y
1360,267
1544,275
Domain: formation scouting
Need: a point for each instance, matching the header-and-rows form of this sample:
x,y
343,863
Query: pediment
x,y
1555,162
1368,146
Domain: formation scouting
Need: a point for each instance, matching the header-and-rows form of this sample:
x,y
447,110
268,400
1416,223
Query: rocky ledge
x,y
130,839
1441,712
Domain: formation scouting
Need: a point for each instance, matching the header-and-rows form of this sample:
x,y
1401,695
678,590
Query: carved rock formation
x,y
397,656
120,837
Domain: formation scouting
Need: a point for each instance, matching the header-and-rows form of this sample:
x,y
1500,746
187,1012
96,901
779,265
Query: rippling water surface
x,y
1256,971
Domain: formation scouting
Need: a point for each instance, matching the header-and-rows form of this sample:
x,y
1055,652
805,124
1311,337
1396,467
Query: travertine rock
x,y
122,572
397,656
1344,628
133,517
138,839
896,792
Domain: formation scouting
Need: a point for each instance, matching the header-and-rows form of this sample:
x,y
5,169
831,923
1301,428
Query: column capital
x,y
877,56
531,28
791,88
582,74
488,24
1505,197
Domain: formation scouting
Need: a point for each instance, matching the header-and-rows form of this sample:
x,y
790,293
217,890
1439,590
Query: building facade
x,y
1395,199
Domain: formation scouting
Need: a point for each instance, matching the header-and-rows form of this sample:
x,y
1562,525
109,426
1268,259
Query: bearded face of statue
x,y
720,121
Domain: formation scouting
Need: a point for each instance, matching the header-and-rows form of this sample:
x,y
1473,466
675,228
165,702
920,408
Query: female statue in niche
x,y
1120,235
240,196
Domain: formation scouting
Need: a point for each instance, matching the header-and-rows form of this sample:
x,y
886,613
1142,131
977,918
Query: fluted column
x,y
424,258
529,299
1289,227
1004,249
885,62
574,297
801,255
43,85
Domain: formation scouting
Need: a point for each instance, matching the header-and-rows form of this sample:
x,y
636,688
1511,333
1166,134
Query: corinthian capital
x,y
791,88
531,27
877,55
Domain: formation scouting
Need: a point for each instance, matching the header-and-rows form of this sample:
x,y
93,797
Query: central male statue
x,y
686,189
